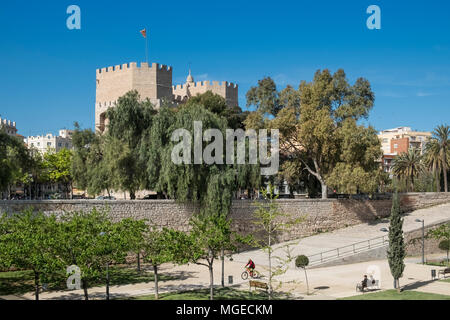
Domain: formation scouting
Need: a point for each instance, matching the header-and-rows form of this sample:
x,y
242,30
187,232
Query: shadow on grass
x,y
16,282
21,282
219,294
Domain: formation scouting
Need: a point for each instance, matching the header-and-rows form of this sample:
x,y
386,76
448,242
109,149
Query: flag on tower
x,y
144,33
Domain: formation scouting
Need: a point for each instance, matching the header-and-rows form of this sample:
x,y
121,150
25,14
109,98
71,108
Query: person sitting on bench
x,y
364,283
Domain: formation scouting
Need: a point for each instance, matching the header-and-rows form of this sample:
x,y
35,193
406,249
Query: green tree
x,y
14,160
441,134
82,141
28,242
156,251
441,233
408,165
433,160
396,252
218,105
128,122
264,97
271,220
83,243
58,166
210,234
318,126
302,262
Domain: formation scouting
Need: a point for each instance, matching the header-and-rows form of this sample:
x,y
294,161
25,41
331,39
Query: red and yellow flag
x,y
144,33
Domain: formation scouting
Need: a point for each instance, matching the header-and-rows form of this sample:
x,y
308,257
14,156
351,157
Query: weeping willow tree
x,y
210,185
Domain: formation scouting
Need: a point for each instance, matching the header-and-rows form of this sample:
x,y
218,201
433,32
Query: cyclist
x,y
251,266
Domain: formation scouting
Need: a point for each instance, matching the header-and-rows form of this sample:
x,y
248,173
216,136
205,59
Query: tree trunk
x,y
445,175
211,281
307,284
438,181
222,256
155,271
85,289
324,190
138,262
270,266
132,195
36,284
398,285
107,281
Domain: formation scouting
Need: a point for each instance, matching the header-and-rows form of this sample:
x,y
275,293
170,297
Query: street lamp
x,y
423,239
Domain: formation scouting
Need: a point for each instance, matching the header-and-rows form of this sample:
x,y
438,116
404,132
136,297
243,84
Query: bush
x,y
301,261
444,245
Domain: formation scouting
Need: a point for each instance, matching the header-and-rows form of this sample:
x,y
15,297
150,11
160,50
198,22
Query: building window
x,y
59,144
49,144
395,146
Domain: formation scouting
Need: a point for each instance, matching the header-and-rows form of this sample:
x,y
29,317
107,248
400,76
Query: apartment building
x,y
50,142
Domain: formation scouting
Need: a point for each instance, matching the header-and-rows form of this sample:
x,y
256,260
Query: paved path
x,y
348,236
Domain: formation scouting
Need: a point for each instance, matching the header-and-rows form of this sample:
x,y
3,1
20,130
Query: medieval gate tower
x,y
153,82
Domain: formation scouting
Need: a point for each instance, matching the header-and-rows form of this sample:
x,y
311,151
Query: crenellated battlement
x,y
206,83
133,66
9,123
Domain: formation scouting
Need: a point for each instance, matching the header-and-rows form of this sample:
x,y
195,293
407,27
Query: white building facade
x,y
50,142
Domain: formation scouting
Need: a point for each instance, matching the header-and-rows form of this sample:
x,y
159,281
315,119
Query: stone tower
x,y
153,82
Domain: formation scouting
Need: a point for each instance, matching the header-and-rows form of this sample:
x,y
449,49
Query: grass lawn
x,y
394,295
445,280
441,263
219,294
20,282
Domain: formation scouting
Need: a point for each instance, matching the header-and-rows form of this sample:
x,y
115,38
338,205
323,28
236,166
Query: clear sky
x,y
47,72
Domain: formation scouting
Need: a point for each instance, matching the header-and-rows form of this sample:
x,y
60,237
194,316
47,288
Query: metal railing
x,y
349,250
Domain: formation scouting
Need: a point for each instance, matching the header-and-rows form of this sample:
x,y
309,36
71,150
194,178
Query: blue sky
x,y
47,78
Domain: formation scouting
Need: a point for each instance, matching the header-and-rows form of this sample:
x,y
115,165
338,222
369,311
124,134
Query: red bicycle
x,y
253,274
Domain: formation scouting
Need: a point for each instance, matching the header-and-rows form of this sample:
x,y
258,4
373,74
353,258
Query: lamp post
x,y
423,239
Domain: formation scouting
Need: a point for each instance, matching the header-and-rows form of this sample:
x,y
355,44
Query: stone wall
x,y
413,240
320,215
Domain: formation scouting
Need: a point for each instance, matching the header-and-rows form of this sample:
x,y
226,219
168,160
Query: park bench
x,y
443,272
370,285
258,285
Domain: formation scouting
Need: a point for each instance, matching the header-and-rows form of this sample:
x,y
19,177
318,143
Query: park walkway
x,y
316,244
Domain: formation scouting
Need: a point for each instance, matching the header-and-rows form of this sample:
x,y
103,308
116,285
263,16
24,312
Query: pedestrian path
x,y
316,244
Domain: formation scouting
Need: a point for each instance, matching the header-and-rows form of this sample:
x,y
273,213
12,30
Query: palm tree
x,y
442,136
409,165
433,160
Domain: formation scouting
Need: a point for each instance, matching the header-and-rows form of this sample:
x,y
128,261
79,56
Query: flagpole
x,y
146,46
